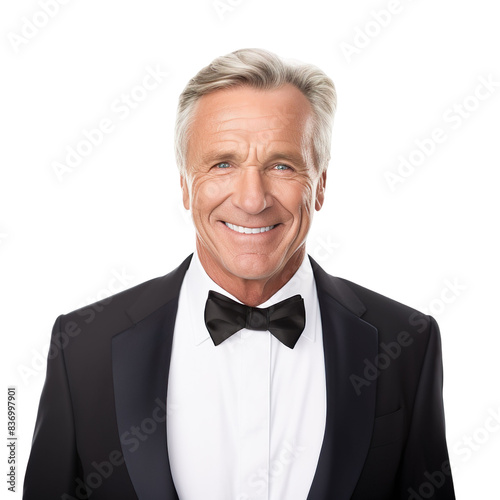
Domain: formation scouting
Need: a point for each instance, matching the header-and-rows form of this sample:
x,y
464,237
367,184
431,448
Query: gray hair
x,y
264,70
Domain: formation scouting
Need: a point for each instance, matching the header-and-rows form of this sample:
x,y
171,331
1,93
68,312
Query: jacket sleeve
x,y
425,468
53,464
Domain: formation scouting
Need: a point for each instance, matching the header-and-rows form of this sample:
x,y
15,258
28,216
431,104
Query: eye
x,y
222,165
282,166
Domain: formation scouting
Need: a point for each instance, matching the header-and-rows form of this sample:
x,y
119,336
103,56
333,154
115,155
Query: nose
x,y
250,193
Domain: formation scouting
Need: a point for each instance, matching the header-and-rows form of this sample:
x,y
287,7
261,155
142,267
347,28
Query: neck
x,y
251,292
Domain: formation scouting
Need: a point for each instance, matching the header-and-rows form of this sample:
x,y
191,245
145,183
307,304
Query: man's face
x,y
251,183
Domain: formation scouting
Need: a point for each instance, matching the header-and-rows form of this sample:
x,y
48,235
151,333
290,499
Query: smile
x,y
249,230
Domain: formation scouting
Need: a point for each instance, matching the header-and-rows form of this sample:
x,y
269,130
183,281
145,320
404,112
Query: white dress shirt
x,y
247,418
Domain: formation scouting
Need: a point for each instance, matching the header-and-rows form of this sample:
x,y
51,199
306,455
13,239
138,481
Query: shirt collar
x,y
198,283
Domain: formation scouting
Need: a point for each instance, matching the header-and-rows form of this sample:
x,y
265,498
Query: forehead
x,y
248,112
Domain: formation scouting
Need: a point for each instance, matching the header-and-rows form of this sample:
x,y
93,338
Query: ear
x,y
320,191
185,192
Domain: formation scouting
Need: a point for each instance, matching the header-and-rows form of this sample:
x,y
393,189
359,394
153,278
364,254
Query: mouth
x,y
249,230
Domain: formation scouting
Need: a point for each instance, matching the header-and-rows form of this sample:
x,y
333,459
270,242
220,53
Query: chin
x,y
254,267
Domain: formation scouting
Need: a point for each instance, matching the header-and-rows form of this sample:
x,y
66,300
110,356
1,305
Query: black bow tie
x,y
285,320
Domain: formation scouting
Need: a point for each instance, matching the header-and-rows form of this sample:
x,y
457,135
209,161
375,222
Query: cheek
x,y
207,193
296,197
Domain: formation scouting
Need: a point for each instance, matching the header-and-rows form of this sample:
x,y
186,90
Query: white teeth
x,y
248,230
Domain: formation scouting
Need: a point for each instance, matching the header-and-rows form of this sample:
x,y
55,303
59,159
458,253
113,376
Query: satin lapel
x,y
348,341
141,360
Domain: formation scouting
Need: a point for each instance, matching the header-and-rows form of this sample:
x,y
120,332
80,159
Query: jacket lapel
x,y
348,341
141,360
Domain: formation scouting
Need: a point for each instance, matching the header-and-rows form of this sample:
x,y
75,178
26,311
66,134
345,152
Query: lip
x,y
248,230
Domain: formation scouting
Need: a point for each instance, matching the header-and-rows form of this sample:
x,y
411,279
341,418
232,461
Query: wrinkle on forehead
x,y
252,129
215,106
254,119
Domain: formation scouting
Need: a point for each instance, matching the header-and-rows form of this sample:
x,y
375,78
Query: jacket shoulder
x,y
388,314
119,311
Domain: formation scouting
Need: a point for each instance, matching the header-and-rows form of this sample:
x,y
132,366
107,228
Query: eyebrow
x,y
298,160
214,157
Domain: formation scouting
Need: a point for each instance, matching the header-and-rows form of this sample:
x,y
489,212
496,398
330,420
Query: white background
x,y
63,239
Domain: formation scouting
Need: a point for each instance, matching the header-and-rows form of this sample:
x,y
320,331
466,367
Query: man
x,y
247,372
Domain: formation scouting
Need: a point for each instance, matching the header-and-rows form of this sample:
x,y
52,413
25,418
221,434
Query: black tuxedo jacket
x,y
101,431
